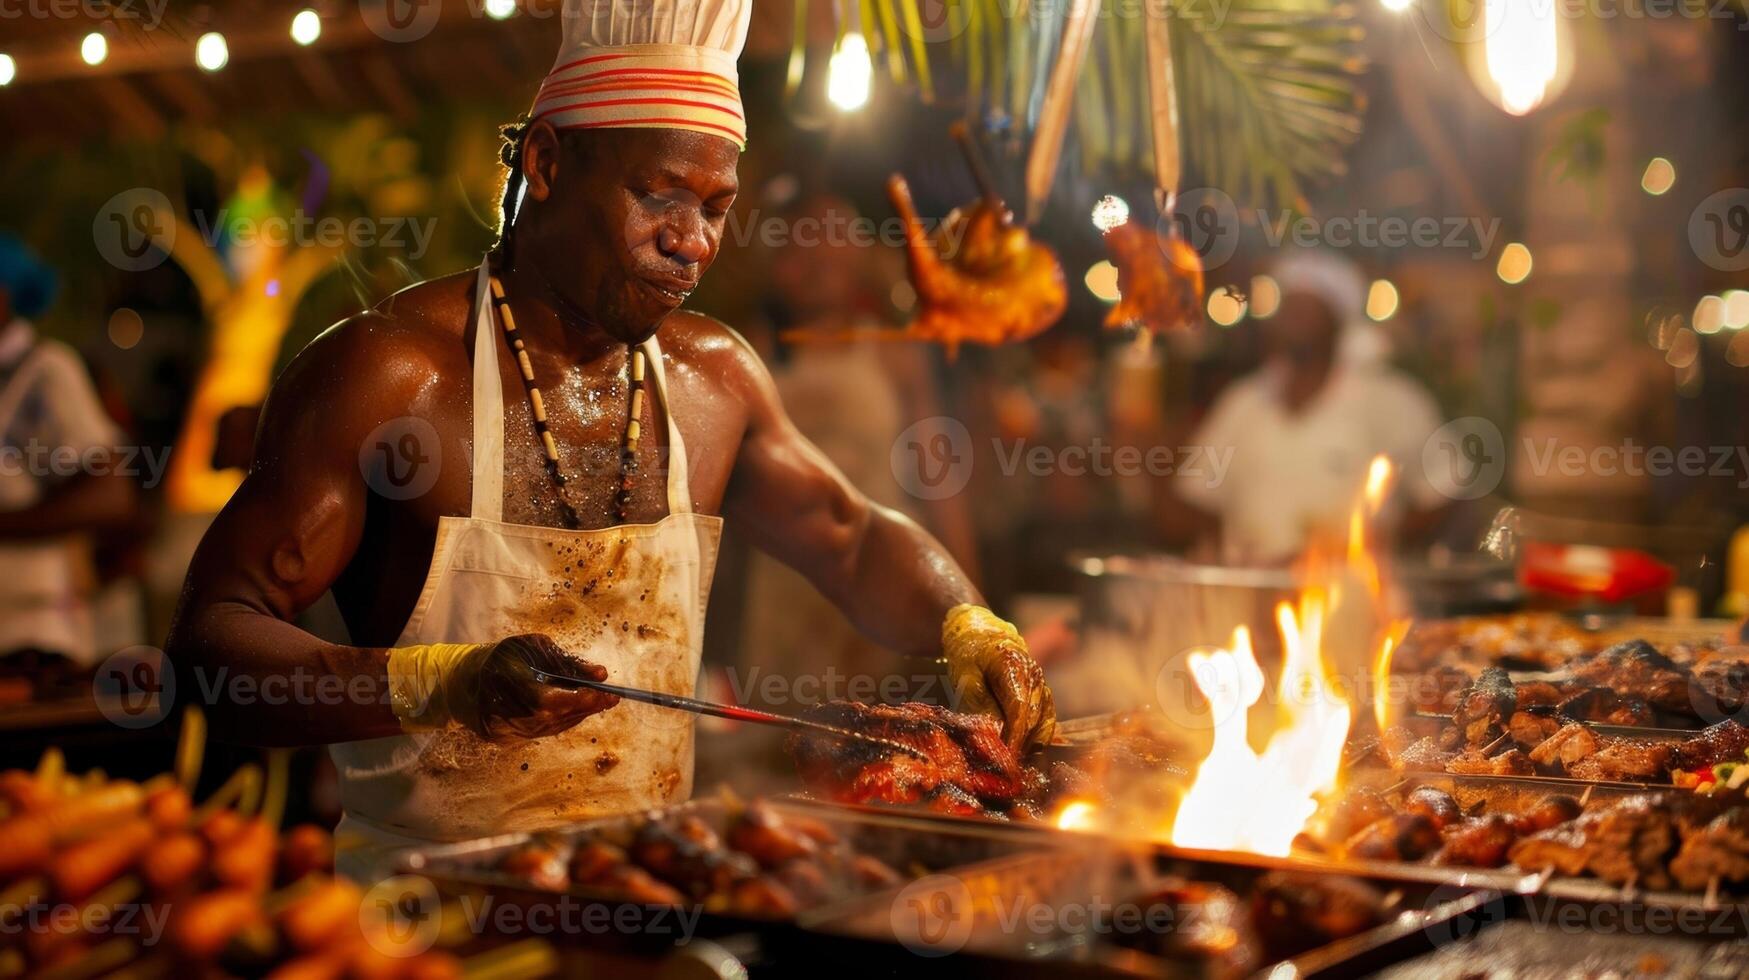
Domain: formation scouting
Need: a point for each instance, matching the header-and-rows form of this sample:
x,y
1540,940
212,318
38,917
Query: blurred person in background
x,y
1304,427
61,483
852,396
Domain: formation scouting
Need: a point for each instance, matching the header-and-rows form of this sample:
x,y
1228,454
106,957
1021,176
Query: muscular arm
x,y
889,576
277,546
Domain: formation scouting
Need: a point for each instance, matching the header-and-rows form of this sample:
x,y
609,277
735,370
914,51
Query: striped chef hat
x,y
649,64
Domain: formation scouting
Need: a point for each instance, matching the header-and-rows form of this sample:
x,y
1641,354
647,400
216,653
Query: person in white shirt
x,y
59,482
1303,429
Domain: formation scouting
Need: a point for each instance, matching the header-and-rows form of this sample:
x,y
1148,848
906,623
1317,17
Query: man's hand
x,y
488,689
992,673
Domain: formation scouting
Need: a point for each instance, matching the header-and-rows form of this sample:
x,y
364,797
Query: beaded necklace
x,y
628,455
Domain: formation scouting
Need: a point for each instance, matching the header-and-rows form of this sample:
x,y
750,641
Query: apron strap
x,y
679,486
488,502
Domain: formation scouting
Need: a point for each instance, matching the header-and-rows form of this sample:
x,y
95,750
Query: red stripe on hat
x,y
689,103
610,85
677,123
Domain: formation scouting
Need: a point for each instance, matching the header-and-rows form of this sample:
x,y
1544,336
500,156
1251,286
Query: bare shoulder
x,y
712,350
379,363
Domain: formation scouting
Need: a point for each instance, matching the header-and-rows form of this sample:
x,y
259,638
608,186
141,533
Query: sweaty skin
x,y
614,228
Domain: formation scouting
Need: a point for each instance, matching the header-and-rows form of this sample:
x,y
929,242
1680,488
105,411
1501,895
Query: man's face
x,y
1303,330
630,221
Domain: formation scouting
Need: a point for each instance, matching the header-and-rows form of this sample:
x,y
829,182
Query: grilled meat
x,y
1439,688
1399,837
1626,841
1480,843
1295,912
1483,709
1724,742
1601,704
1356,809
1533,694
1435,804
964,768
1550,811
1719,686
1424,755
1530,730
1626,760
1717,851
1636,668
1571,744
1471,762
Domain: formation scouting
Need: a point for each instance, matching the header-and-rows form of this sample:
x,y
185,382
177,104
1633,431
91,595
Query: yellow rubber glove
x,y
487,688
992,673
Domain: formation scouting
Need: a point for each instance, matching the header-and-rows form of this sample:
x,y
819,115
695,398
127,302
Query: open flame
x,y
1243,799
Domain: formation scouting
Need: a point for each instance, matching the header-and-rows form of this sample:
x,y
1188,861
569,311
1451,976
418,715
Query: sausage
x,y
321,915
1435,804
246,860
169,808
32,837
220,826
83,868
207,922
174,863
307,849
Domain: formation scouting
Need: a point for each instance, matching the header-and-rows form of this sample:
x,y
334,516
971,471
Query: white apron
x,y
630,598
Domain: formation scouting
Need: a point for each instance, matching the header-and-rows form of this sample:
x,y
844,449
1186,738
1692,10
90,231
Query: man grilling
x,y
524,466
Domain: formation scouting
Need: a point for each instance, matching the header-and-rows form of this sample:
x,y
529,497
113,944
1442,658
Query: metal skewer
x,y
732,712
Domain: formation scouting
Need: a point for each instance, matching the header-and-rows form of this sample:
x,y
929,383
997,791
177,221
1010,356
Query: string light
x,y
1381,300
1265,297
1659,177
1514,265
850,73
1396,6
211,52
1736,308
1709,315
94,49
500,9
8,70
1102,281
1225,308
306,27
1109,212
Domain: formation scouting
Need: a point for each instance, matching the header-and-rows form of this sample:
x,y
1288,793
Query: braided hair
x,y
510,155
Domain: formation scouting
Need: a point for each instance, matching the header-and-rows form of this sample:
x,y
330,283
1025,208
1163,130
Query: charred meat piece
x,y
1636,668
1296,912
768,839
1724,742
761,897
1211,927
1566,747
1438,689
1601,704
1626,841
1550,811
964,766
1435,804
1480,843
604,867
1533,694
1399,837
1719,686
1718,851
1626,760
1530,730
540,862
1472,762
1485,706
674,853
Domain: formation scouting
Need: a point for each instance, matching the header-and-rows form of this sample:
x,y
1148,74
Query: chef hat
x,y
649,64
1340,286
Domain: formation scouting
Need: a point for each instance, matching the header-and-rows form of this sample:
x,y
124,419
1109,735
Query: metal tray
x,y
1035,908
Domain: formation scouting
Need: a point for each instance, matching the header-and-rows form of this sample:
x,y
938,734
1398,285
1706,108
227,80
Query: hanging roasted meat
x,y
982,279
1159,279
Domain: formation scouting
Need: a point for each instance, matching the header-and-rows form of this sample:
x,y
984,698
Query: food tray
x,y
993,909
1548,937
